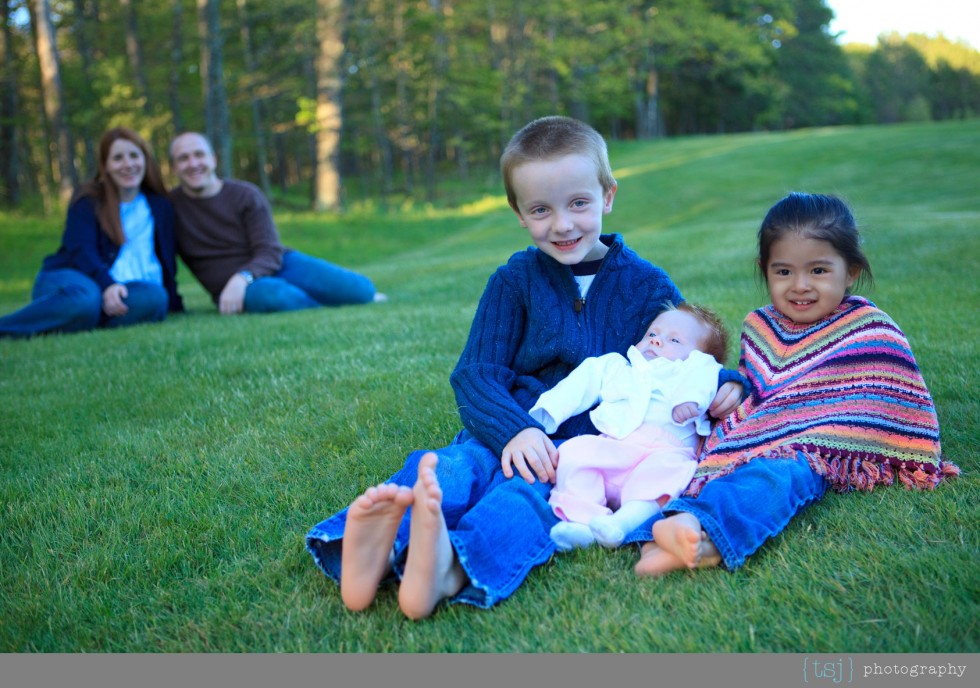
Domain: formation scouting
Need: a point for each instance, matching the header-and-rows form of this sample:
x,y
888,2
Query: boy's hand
x,y
726,400
684,412
532,453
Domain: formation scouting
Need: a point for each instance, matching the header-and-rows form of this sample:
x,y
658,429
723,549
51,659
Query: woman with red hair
x,y
116,264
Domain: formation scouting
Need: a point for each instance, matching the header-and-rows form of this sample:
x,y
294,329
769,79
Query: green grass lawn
x,y
157,482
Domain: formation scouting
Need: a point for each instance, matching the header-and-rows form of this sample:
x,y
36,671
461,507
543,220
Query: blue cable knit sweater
x,y
527,335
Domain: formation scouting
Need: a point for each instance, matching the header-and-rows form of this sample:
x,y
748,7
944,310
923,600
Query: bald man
x,y
228,239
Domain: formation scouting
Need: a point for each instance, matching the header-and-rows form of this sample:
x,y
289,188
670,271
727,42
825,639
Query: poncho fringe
x,y
846,393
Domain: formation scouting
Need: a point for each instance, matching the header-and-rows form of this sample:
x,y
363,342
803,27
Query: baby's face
x,y
672,335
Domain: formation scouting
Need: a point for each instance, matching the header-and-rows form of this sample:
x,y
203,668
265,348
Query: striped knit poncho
x,y
845,391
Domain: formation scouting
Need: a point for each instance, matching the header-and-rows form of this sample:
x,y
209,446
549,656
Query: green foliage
x,y
939,50
157,482
820,86
918,78
433,90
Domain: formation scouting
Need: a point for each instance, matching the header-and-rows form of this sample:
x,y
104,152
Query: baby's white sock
x,y
610,530
569,535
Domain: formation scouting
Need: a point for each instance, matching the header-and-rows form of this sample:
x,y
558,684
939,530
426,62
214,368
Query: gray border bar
x,y
490,670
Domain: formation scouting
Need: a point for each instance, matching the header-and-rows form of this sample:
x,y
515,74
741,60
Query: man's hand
x,y
232,298
112,300
532,453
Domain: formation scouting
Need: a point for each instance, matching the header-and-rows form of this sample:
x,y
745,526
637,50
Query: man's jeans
x,y
307,282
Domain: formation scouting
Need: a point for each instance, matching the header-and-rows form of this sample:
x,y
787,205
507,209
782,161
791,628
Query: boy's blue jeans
x,y
307,282
67,300
740,511
499,527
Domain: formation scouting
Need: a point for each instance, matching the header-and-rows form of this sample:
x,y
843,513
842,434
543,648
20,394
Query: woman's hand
x,y
729,396
532,453
112,300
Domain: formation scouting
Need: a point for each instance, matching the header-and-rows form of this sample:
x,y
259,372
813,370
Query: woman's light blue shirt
x,y
137,259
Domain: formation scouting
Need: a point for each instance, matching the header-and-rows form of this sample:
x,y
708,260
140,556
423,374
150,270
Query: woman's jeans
x,y
499,527
67,300
739,511
307,282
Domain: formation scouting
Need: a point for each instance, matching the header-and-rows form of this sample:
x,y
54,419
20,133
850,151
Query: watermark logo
x,y
839,670
914,670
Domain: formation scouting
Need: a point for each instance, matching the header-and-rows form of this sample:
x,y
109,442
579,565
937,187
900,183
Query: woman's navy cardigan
x,y
86,248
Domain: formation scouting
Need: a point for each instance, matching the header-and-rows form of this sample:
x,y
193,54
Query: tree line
x,y
391,96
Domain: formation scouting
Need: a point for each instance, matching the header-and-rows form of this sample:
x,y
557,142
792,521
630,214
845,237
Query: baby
x,y
652,414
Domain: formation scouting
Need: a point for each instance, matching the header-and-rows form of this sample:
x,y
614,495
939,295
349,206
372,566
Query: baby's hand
x,y
684,412
531,452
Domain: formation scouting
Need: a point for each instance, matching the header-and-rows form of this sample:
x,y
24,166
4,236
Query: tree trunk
x,y
53,94
381,141
436,87
282,161
498,30
216,117
404,140
370,41
647,99
258,119
85,16
330,21
135,53
9,164
176,61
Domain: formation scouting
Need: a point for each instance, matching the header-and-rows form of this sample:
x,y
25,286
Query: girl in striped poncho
x,y
837,400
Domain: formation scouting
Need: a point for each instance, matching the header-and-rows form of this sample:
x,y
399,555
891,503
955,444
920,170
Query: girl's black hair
x,y
815,216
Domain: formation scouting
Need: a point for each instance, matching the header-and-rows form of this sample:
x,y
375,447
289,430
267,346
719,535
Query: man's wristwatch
x,y
249,277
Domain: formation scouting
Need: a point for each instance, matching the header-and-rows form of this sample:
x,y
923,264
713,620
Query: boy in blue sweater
x,y
468,522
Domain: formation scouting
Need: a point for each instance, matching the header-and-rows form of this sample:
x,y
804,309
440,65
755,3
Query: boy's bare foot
x,y
679,543
372,523
432,571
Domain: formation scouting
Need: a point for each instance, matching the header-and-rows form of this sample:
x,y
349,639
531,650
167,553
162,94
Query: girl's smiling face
x,y
561,203
807,278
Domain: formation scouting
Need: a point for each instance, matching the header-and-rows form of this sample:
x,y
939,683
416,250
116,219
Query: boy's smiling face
x,y
561,203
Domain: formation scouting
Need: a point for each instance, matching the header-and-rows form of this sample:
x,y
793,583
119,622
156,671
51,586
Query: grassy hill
x,y
157,482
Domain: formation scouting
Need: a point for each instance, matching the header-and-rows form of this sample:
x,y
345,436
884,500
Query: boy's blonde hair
x,y
554,137
716,342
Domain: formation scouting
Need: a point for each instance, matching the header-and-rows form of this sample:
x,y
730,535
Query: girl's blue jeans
x,y
756,501
67,300
307,282
499,527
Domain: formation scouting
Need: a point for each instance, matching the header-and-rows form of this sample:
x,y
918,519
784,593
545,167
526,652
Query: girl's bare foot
x,y
655,561
432,571
372,523
679,543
